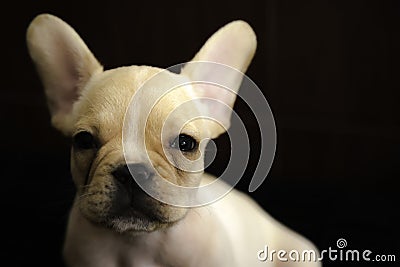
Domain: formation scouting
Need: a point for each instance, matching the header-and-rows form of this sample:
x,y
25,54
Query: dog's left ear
x,y
65,64
233,45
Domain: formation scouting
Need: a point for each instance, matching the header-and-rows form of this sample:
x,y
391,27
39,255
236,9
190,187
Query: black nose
x,y
125,172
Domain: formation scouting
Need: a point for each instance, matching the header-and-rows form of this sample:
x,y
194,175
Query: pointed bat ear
x,y
65,65
229,52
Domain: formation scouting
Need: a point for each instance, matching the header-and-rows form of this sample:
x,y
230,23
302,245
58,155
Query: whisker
x,y
80,197
84,196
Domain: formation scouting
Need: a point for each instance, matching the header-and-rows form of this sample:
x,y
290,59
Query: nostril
x,y
125,172
139,171
122,173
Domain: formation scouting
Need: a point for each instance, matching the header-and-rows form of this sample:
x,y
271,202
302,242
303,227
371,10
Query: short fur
x,y
81,96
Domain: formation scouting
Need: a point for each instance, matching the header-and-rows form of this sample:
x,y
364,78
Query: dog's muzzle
x,y
129,198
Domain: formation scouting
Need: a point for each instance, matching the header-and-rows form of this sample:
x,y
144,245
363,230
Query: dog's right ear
x,y
65,65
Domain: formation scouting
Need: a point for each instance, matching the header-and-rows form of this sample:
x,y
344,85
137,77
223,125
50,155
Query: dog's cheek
x,y
173,214
77,175
96,201
80,167
188,179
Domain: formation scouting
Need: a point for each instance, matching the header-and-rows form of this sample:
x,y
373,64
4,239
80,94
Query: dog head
x,y
126,123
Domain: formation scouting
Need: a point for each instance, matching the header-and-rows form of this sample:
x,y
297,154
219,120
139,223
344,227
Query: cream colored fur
x,y
82,96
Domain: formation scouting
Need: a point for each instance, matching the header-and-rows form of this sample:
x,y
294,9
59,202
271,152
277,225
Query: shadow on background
x,y
329,70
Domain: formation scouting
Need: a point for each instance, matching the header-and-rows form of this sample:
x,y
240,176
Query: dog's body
x,y
113,222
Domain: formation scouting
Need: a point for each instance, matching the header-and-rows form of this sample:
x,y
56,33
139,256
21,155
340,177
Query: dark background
x,y
329,70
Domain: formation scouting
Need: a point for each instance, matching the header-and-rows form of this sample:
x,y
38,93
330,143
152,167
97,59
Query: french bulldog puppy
x,y
113,221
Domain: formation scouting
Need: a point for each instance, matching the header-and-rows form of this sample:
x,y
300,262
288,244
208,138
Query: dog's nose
x,y
125,172
129,193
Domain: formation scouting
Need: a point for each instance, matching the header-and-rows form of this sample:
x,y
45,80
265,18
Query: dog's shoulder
x,y
247,223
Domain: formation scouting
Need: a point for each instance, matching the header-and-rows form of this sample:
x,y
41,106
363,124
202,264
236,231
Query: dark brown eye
x,y
84,140
185,143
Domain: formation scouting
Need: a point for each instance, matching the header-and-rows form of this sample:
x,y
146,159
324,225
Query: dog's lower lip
x,y
130,214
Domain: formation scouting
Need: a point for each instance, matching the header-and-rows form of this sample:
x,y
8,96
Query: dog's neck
x,y
172,246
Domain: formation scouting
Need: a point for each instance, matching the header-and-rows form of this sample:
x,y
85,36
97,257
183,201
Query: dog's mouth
x,y
125,207
131,220
142,216
136,221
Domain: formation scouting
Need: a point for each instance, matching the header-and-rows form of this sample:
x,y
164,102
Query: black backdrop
x,y
329,70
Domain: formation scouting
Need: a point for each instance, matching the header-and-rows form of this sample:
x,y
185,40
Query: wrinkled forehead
x,y
138,96
165,102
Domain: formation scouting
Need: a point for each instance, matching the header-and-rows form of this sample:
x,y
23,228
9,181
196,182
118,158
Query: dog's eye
x,y
185,143
84,140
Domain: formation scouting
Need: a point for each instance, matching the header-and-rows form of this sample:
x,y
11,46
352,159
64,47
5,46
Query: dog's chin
x,y
133,222
136,225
